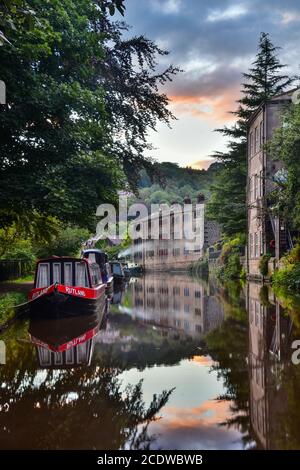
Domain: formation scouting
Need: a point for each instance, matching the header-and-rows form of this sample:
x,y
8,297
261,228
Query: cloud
x,y
216,108
288,17
214,42
198,427
230,13
203,360
167,6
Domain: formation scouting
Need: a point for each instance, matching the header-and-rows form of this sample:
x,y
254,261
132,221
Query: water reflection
x,y
175,301
271,333
214,362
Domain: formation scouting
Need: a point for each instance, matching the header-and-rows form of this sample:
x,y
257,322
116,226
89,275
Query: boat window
x,y
95,274
108,270
57,358
81,278
44,356
43,278
68,274
92,258
117,269
56,272
82,352
70,356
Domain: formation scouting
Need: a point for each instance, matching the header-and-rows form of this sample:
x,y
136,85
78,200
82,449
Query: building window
x,y
176,251
261,134
198,328
256,245
186,308
186,292
256,140
261,183
251,244
176,290
197,294
198,312
251,144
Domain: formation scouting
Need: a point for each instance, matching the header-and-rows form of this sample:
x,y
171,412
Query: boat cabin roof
x,y
67,270
95,250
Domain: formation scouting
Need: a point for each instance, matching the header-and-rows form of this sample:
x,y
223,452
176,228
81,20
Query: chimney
x,y
200,198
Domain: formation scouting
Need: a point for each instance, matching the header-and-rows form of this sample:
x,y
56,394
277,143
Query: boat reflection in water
x,y
67,341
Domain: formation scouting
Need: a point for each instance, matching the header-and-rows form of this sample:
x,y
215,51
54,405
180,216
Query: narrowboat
x,y
65,342
67,286
100,257
117,271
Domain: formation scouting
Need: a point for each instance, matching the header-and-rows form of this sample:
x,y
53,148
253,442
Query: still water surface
x,y
178,363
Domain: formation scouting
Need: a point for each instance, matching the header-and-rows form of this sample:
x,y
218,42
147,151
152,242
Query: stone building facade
x,y
172,248
266,234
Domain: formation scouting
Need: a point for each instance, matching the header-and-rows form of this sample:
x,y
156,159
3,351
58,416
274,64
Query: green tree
x,y
73,86
285,146
67,242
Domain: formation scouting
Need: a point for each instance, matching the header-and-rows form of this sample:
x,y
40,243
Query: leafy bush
x,y
263,264
288,277
199,268
231,267
7,302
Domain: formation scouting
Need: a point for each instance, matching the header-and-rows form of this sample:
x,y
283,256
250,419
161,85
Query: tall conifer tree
x,y
263,80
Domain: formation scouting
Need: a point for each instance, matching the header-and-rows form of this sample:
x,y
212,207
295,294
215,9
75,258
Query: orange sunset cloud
x,y
208,413
203,360
215,108
202,164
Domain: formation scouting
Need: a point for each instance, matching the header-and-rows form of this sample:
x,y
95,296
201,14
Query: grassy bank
x,y
7,303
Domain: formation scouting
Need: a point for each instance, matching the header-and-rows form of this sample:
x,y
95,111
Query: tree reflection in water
x,y
78,408
228,347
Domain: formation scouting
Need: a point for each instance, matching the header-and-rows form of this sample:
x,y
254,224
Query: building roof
x,y
286,96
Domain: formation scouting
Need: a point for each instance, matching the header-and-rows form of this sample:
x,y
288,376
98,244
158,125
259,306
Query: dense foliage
x,y
80,99
285,146
172,183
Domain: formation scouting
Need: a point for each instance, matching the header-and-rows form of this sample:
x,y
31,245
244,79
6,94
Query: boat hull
x,y
63,301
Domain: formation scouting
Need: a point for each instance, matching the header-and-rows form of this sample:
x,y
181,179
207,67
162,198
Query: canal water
x,y
178,363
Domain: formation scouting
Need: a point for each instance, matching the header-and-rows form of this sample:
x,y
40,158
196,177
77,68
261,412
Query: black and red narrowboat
x,y
67,286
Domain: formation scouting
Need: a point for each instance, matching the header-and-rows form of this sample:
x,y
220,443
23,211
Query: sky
x,y
213,41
